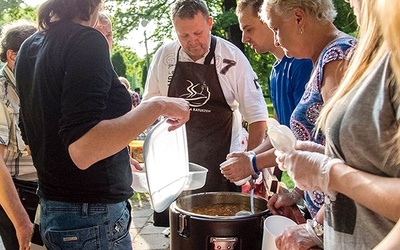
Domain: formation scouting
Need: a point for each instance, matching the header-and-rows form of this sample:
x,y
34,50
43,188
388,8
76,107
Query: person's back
x,y
54,55
79,120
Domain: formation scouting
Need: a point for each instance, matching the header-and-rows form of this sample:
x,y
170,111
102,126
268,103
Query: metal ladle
x,y
245,212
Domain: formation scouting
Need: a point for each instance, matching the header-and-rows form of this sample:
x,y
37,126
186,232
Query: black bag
x,y
30,200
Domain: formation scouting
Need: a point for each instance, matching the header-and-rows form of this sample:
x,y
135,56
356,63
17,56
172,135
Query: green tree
x,y
128,14
14,10
345,20
119,64
134,65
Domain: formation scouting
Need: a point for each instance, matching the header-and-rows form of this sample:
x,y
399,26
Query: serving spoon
x,y
245,212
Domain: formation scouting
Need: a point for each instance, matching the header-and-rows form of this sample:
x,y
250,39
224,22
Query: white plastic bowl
x,y
195,180
197,177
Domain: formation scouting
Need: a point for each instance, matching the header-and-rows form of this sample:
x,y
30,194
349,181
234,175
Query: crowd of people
x,y
67,118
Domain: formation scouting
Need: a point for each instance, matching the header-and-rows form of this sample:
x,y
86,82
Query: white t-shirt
x,y
238,82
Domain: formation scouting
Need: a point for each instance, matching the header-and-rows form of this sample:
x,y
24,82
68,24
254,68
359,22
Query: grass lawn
x,y
287,180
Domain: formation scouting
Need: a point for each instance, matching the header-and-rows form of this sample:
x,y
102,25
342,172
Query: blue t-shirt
x,y
287,83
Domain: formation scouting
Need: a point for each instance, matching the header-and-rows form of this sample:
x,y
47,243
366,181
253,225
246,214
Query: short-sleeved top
x,y
18,162
287,84
360,130
135,99
238,82
303,119
67,85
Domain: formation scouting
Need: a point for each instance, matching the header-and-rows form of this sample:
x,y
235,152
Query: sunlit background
x,y
134,40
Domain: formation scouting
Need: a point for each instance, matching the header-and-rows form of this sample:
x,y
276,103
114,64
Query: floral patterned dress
x,y
302,121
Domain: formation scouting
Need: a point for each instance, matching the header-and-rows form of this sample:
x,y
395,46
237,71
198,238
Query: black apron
x,y
209,130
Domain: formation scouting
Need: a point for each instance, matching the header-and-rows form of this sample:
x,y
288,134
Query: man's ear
x,y
210,22
11,55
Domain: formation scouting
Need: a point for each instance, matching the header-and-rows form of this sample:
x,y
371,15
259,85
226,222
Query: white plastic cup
x,y
274,225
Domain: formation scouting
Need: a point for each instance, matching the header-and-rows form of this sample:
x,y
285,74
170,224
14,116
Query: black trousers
x,y
29,199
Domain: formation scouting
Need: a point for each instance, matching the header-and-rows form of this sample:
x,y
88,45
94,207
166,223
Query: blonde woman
x,y
361,158
389,16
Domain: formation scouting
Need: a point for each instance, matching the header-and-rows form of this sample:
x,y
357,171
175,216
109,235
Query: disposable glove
x,y
310,146
308,170
296,237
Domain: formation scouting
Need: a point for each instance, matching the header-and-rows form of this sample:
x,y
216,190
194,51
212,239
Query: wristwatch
x,y
316,231
317,227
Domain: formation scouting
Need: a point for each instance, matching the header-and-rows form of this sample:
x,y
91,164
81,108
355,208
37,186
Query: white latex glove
x,y
308,170
310,146
296,237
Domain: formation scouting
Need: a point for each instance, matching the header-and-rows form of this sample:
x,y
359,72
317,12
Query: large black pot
x,y
204,232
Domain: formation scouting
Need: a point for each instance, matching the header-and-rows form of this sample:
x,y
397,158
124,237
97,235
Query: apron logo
x,y
197,94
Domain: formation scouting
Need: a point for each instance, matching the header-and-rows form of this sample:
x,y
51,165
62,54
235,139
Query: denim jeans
x,y
85,226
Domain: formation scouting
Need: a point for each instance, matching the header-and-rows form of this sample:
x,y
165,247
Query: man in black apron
x,y
194,73
209,129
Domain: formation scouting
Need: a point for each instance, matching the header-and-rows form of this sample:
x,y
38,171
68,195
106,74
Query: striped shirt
x,y
16,157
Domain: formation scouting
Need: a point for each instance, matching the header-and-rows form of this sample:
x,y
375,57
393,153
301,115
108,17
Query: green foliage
x,y
345,20
13,12
119,64
287,180
134,65
127,16
262,65
6,5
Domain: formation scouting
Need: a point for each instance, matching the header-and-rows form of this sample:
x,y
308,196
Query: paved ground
x,y
145,236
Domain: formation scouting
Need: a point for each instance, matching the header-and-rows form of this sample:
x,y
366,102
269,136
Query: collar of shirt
x,y
9,75
184,57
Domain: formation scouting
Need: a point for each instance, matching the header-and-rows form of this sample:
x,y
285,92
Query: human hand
x,y
296,237
135,165
176,110
240,169
24,234
308,170
278,202
310,146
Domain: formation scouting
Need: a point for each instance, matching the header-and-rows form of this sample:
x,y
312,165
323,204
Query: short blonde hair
x,y
321,10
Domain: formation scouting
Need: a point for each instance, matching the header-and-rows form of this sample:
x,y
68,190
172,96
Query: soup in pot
x,y
225,209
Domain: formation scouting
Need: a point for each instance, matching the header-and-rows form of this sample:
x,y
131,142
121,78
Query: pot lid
x,y
167,164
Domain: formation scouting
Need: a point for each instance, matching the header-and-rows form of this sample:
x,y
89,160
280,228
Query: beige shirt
x,y
16,157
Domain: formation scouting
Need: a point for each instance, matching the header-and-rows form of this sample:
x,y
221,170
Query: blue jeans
x,y
66,225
